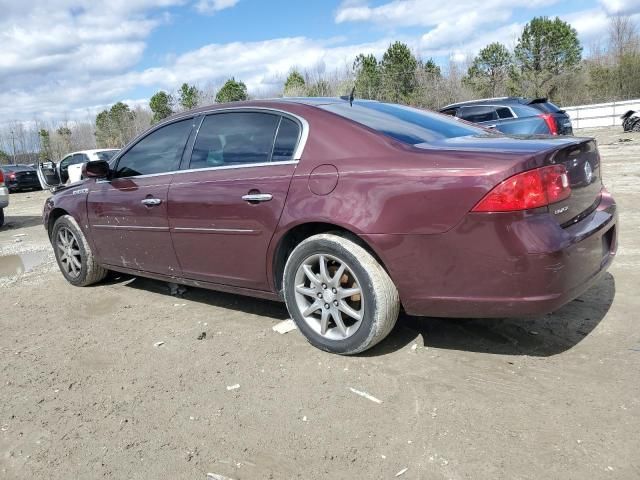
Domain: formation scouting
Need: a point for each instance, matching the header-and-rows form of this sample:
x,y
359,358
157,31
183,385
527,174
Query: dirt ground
x,y
85,394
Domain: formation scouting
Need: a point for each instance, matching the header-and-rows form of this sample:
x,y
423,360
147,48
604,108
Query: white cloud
x,y
212,6
454,28
428,13
621,7
261,65
69,58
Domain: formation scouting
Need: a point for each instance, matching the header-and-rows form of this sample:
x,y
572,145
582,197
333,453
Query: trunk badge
x,y
588,172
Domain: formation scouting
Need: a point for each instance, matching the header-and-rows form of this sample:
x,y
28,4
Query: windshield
x,y
406,124
106,155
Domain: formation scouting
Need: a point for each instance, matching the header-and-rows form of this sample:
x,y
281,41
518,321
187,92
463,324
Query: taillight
x,y
1,178
551,123
527,190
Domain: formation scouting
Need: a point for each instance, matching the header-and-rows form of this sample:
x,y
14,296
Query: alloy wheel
x,y
329,296
69,252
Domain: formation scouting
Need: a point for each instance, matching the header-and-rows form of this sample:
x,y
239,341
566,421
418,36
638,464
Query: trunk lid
x,y
579,156
26,177
582,162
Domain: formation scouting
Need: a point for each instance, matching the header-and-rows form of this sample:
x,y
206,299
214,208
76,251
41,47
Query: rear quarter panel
x,y
385,186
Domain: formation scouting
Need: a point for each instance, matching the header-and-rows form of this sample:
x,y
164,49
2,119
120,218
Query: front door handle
x,y
257,197
150,202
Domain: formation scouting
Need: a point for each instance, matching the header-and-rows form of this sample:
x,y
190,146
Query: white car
x,y
69,169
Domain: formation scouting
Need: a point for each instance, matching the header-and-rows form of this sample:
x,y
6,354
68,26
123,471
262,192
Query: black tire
x,y
1,217
636,127
379,297
89,271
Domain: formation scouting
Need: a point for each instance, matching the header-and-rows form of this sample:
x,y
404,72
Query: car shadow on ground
x,y
13,222
541,336
254,306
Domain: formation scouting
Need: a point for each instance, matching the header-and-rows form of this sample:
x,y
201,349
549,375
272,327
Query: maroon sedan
x,y
347,212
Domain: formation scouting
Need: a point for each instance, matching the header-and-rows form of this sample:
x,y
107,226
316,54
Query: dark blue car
x,y
514,115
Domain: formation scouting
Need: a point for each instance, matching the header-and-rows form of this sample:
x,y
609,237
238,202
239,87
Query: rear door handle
x,y
150,202
257,197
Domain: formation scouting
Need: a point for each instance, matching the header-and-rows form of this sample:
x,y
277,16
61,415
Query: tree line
x,y
546,60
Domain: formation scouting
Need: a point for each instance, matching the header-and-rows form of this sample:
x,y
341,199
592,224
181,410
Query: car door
x,y
128,212
224,208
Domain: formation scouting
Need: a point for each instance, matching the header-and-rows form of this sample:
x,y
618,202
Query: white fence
x,y
601,114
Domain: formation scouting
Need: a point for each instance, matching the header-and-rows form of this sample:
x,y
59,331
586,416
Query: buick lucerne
x,y
347,211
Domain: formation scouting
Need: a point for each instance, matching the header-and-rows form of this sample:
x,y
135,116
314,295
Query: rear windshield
x,y
546,107
406,124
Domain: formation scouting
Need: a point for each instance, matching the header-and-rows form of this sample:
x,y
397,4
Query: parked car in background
x,y
345,211
69,169
4,197
514,115
18,178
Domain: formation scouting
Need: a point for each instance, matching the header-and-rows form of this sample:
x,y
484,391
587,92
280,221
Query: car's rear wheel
x,y
1,217
73,253
340,297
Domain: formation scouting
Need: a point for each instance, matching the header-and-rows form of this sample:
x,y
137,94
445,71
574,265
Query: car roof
x,y
13,166
93,150
265,103
496,101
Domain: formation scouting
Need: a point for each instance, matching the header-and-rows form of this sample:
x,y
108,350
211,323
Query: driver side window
x,y
158,152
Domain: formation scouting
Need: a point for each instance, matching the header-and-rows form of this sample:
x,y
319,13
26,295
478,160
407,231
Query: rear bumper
x,y
23,184
500,265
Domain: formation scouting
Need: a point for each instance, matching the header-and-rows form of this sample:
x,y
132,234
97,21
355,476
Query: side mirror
x,y
95,169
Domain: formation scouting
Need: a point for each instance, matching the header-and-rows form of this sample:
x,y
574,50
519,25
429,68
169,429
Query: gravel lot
x,y
86,394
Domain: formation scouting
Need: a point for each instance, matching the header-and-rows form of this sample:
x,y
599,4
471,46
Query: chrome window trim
x,y
205,169
297,154
232,167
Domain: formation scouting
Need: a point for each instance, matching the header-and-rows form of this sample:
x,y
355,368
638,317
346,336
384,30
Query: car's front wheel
x,y
340,297
73,253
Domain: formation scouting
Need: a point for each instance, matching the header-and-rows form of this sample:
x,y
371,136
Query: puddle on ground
x,y
12,265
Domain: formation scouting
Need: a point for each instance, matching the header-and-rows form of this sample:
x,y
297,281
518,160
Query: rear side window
x,y
286,140
406,124
158,152
238,138
78,158
504,112
478,114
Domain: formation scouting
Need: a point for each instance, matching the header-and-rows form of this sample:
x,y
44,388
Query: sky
x,y
68,59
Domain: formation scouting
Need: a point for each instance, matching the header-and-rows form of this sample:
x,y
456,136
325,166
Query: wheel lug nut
x,y
324,285
326,305
335,302
319,295
334,290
